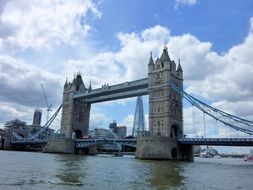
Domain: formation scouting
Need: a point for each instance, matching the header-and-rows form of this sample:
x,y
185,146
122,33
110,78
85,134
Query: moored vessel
x,y
248,158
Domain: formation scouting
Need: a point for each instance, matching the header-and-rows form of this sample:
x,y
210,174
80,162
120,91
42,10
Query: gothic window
x,y
161,76
158,123
158,75
158,109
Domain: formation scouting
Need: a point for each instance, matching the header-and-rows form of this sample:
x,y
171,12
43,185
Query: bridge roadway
x,y
119,91
82,143
217,141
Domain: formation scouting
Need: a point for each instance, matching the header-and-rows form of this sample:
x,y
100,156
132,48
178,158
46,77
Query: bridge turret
x,y
165,56
179,70
66,82
165,113
165,59
75,113
90,88
150,63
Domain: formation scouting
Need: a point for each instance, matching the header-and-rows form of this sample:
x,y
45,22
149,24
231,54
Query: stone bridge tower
x,y
75,118
165,112
75,113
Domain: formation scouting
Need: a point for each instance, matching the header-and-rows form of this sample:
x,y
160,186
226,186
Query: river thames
x,y
29,170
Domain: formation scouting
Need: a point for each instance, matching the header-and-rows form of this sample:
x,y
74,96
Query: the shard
x,y
139,121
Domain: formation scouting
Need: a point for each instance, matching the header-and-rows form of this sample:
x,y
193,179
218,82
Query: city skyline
x,y
45,42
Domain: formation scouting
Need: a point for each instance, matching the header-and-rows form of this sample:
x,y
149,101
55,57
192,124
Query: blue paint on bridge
x,y
217,141
84,143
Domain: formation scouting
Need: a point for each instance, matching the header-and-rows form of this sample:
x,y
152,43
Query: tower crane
x,y
48,106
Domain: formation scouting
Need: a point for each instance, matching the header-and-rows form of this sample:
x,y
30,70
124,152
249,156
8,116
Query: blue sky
x,y
110,41
224,23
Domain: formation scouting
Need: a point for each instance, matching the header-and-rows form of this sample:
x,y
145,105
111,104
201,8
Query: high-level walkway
x,y
119,91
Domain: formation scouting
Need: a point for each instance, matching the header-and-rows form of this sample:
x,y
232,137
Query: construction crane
x,y
48,106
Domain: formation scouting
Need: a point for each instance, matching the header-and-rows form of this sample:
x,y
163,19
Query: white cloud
x,y
185,2
129,63
231,81
20,83
99,120
41,24
100,69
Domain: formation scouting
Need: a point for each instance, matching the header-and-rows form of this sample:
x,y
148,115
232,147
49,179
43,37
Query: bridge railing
x,y
217,141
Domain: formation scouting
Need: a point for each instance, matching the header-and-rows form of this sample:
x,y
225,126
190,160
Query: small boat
x,y
248,158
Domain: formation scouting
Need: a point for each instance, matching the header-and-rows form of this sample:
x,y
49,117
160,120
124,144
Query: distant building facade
x,y
22,130
37,117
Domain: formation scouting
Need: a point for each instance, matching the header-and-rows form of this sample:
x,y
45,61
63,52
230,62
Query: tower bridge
x,y
165,139
165,110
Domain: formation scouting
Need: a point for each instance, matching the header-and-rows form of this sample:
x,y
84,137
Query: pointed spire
x,y
90,88
74,79
165,55
66,82
179,68
151,61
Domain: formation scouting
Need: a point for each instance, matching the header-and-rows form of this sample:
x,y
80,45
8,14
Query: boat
x,y
248,158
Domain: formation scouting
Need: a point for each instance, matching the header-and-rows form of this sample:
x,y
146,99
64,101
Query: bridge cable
x,y
221,116
204,124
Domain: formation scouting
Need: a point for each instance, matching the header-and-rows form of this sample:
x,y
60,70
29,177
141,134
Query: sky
x,y
109,41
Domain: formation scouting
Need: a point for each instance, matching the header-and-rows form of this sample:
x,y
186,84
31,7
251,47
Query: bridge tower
x,y
75,112
165,112
75,118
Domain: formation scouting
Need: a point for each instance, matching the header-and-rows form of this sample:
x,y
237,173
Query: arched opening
x,y
173,152
2,143
78,133
174,131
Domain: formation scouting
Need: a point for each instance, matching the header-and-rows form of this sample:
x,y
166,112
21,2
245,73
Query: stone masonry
x,y
165,112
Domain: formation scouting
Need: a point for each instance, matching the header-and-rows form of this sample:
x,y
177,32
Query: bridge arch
x,y
78,133
174,152
175,131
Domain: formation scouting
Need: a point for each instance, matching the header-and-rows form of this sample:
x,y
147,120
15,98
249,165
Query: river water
x,y
28,170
